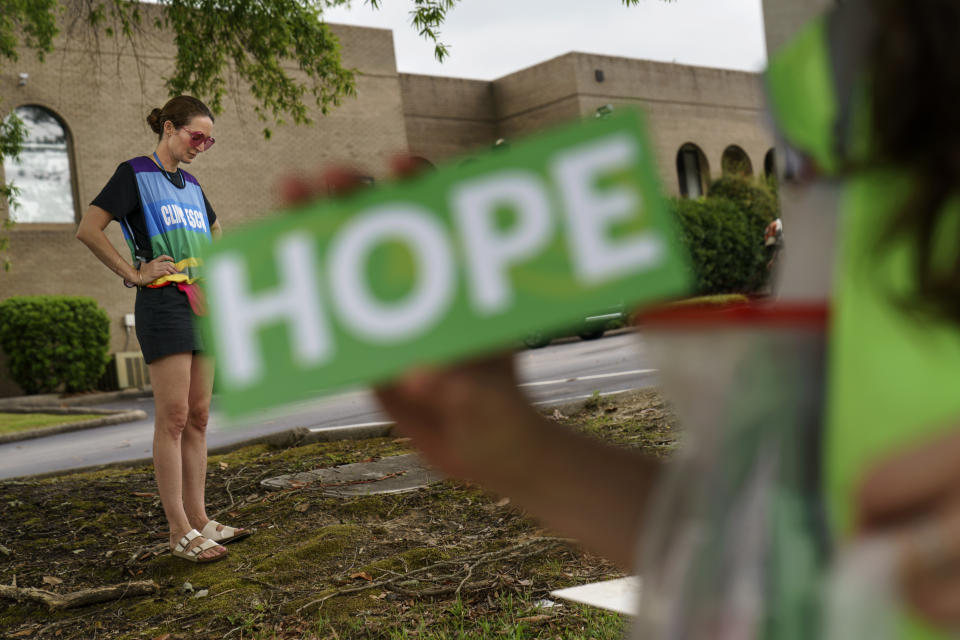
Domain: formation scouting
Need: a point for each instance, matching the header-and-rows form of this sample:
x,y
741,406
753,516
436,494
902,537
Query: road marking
x,y
350,426
586,395
617,374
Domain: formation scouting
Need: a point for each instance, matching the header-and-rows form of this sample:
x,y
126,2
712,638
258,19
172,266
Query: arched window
x,y
692,170
42,173
736,162
770,164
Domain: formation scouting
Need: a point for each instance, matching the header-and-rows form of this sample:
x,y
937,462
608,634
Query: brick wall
x,y
711,108
446,117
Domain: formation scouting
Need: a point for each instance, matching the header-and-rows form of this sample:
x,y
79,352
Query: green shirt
x,y
893,376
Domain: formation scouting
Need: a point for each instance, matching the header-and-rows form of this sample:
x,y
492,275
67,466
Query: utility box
x,y
126,369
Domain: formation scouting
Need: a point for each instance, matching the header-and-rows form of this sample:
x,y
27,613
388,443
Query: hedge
x,y
54,340
724,235
757,199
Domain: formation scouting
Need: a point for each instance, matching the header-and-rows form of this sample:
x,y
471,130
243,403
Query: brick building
x,y
701,120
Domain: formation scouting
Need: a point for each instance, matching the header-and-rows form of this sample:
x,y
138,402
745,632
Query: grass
x,y
13,422
513,617
106,527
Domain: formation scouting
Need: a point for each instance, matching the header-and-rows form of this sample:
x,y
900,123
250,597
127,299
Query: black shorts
x,y
165,323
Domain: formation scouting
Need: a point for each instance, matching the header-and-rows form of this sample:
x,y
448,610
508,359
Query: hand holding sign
x,y
449,266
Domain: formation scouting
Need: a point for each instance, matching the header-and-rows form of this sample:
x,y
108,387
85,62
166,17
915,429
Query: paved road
x,y
555,374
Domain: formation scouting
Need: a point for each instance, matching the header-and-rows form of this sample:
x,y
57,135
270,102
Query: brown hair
x,y
179,111
916,123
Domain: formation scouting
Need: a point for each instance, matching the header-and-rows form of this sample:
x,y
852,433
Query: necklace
x,y
166,173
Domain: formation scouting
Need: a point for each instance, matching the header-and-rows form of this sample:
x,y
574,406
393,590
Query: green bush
x,y
757,199
54,340
724,235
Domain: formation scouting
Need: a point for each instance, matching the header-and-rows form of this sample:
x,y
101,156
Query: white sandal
x,y
185,551
225,535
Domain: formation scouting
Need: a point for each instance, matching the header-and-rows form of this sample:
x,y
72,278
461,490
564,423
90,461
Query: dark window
x,y
692,171
770,164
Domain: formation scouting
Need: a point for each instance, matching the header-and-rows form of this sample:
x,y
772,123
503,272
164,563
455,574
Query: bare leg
x,y
171,376
194,448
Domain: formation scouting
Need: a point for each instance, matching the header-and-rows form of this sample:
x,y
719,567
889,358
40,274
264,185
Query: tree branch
x,y
541,545
79,598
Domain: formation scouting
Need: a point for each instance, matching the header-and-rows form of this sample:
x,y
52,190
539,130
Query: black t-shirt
x,y
121,199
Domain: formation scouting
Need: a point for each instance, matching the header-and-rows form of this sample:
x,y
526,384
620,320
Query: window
x,y
736,162
42,173
692,170
770,164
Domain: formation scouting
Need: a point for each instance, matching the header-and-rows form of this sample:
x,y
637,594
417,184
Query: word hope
x,y
586,214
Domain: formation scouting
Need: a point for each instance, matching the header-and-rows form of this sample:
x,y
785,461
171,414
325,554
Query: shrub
x,y
756,198
54,340
725,248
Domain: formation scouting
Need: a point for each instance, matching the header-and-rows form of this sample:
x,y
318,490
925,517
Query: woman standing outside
x,y
166,220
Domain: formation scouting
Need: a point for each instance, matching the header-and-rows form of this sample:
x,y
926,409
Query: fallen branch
x,y
66,621
230,495
465,578
545,544
261,583
80,598
441,591
147,552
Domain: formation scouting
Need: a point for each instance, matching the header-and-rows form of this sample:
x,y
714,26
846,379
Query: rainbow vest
x,y
176,220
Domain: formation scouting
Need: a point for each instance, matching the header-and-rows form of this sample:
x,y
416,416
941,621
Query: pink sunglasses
x,y
199,140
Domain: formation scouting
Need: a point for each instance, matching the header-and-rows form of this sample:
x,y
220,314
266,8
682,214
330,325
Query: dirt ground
x,y
449,561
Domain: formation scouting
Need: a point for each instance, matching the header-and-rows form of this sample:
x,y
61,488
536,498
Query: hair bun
x,y
154,121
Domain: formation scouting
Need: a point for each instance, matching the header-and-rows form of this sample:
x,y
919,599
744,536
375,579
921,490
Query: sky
x,y
492,38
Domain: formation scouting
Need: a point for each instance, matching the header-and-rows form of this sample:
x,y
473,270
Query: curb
x,y
56,400
295,437
114,417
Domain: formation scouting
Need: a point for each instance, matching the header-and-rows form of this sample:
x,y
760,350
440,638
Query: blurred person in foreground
x,y
866,99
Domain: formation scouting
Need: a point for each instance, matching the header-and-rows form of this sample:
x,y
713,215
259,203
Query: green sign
x,y
459,262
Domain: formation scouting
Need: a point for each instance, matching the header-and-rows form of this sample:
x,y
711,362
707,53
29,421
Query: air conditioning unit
x,y
125,370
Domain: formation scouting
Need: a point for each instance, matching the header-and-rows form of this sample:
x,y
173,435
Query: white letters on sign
x,y
590,214
589,210
433,290
490,252
296,301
